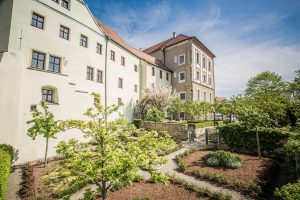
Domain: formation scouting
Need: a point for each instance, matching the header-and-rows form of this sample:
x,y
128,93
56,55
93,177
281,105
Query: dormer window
x,y
65,4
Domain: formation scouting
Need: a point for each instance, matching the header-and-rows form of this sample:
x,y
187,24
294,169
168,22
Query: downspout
x,y
164,55
105,74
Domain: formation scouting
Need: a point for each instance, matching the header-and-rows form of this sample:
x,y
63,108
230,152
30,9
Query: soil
x,y
252,170
154,191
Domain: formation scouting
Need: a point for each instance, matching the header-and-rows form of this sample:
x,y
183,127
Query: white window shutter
x,y
175,59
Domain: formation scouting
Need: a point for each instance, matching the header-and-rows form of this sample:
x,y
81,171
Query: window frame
x,y
38,16
182,93
37,59
160,74
69,4
135,68
54,64
123,61
88,74
135,88
99,48
179,77
153,71
120,83
60,31
179,63
99,78
119,101
167,76
112,55
81,41
47,95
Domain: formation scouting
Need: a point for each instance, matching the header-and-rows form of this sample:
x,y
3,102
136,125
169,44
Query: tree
x,y
176,107
191,107
269,91
252,117
117,152
155,115
294,104
45,125
158,96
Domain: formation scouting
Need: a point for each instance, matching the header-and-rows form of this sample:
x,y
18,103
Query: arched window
x,y
49,94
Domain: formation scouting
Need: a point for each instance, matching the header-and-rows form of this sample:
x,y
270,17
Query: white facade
x,y
21,84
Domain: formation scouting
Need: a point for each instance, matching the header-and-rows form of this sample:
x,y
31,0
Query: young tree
x,y
116,153
269,91
45,125
155,115
158,96
191,107
176,107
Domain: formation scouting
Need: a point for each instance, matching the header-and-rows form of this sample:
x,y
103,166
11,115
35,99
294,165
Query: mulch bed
x,y
154,191
262,171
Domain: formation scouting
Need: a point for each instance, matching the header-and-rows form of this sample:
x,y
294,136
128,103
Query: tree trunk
x,y
104,190
46,152
258,144
214,118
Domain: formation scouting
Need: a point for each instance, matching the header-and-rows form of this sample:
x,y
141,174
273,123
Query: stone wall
x,y
177,131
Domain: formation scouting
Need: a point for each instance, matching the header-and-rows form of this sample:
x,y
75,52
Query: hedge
x,y
6,156
290,191
290,149
242,138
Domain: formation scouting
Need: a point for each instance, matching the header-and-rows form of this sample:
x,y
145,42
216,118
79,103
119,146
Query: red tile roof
x,y
116,38
175,40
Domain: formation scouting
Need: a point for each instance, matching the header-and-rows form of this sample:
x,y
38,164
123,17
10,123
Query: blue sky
x,y
247,36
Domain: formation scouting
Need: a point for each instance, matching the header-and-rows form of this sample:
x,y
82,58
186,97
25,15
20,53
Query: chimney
x,y
174,34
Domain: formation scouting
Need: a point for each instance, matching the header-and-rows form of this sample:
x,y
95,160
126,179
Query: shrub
x,y
290,191
6,156
242,138
141,198
291,148
223,159
154,115
157,177
138,123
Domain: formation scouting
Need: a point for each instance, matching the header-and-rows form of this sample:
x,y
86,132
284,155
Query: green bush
x,y
223,159
290,191
154,115
138,123
157,177
6,156
290,148
242,138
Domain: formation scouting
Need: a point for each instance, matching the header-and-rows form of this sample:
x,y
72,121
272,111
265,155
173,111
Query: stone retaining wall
x,y
177,131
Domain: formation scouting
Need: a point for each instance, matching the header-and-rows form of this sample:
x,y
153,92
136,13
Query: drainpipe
x,y
164,55
105,74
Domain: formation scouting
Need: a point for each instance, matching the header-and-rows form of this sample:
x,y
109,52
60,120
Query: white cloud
x,y
238,57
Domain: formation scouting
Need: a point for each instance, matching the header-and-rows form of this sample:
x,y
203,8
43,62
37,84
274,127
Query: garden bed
x,y
153,192
252,178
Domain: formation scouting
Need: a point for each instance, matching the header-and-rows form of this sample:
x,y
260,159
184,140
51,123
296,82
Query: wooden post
x,y
206,136
258,144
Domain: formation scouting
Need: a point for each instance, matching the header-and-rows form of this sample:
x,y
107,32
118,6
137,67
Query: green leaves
x,y
117,150
154,115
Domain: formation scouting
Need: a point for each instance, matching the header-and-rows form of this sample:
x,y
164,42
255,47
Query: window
x,y
198,58
54,64
56,1
37,21
135,68
209,81
38,60
198,93
198,75
99,76
135,88
181,77
160,73
181,59
112,55
122,60
209,66
153,71
167,76
120,83
99,48
65,4
181,115
210,97
203,62
204,96
90,73
48,95
182,96
119,101
64,32
83,41
204,78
